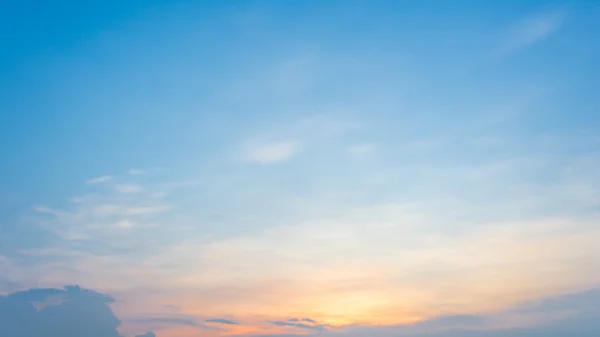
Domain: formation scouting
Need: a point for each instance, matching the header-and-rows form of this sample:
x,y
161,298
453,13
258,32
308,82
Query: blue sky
x,y
355,163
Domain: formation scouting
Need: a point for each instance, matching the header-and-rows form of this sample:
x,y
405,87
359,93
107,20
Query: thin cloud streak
x,y
271,152
222,321
534,29
128,188
99,180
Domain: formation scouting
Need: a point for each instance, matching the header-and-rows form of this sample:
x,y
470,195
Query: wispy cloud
x,y
157,195
271,152
99,180
362,149
222,321
128,188
94,217
302,135
125,224
535,28
136,171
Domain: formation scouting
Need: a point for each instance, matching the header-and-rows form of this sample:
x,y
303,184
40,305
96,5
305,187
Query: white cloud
x,y
99,180
271,153
141,210
128,188
134,171
104,210
156,195
424,144
535,28
362,149
106,213
125,224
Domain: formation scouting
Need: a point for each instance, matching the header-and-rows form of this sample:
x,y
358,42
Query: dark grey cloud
x,y
222,321
301,323
302,320
147,334
69,312
168,320
175,319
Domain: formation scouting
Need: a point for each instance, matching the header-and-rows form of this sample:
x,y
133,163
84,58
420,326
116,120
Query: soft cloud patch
x,y
362,149
271,152
535,28
142,210
136,171
99,180
125,224
156,195
128,188
222,321
100,220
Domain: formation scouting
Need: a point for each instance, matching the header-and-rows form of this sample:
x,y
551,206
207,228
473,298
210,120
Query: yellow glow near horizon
x,y
485,271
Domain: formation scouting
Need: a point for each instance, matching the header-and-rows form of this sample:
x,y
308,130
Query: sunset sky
x,y
347,168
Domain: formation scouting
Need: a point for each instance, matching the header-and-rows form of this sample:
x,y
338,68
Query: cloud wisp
x,y
535,29
271,152
99,180
173,320
128,188
301,323
222,321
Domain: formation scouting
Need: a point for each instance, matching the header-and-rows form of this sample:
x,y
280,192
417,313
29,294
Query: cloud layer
x,y
347,168
74,311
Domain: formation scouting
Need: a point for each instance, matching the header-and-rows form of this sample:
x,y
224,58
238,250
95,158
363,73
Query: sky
x,y
281,168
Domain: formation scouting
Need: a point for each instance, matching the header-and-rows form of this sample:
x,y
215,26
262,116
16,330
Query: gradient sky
x,y
359,168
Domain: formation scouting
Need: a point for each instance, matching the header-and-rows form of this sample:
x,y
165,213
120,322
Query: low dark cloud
x,y
168,320
147,334
301,323
175,319
222,321
68,312
302,320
